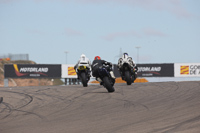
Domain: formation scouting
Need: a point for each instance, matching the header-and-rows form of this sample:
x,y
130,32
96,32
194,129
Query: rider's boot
x,y
100,81
89,73
135,75
112,74
122,75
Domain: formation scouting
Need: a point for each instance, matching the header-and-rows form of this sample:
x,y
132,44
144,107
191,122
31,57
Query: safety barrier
x,y
67,72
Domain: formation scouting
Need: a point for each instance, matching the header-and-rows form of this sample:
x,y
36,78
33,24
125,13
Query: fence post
x,y
69,81
78,81
65,81
73,81
5,82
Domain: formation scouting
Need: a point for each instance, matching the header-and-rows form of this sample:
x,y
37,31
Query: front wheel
x,y
128,78
84,79
108,84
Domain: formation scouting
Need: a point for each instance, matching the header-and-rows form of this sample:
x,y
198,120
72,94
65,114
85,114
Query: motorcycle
x,y
127,73
108,81
83,74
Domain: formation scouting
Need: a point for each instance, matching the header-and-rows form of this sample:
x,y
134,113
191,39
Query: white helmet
x,y
83,57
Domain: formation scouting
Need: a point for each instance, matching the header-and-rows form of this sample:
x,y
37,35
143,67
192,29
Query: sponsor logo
x,y
149,71
31,71
71,71
194,69
190,70
184,70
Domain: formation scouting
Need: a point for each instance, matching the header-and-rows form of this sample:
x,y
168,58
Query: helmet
x,y
82,56
97,58
125,55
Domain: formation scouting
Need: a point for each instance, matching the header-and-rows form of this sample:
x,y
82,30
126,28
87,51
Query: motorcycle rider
x,y
96,64
86,62
126,57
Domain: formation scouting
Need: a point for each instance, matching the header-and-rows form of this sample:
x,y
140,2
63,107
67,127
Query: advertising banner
x,y
155,70
32,71
152,70
187,69
68,71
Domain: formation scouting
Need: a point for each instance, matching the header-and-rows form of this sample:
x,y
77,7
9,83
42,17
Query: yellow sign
x,y
71,71
184,70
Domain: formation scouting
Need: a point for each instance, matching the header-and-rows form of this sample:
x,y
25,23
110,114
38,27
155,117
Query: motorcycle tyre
x,y
84,79
108,85
128,78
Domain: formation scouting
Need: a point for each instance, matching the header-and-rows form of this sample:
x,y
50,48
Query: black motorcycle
x,y
83,74
108,81
127,73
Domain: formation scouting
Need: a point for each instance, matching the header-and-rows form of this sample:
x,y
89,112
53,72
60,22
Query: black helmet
x,y
125,54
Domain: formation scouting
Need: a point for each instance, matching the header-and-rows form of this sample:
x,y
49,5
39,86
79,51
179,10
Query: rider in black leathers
x,y
98,63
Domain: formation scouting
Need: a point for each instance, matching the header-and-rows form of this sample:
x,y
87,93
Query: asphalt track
x,y
166,107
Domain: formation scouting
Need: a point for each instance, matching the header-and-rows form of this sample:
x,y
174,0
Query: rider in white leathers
x,y
83,61
127,59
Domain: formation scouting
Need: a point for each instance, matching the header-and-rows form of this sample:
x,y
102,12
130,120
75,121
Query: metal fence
x,y
16,56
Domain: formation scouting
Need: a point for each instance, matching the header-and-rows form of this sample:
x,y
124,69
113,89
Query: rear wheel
x,y
84,79
128,78
108,85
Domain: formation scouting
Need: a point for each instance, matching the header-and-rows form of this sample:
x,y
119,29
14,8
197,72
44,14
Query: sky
x,y
166,31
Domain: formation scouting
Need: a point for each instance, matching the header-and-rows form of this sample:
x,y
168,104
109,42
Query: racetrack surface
x,y
140,108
